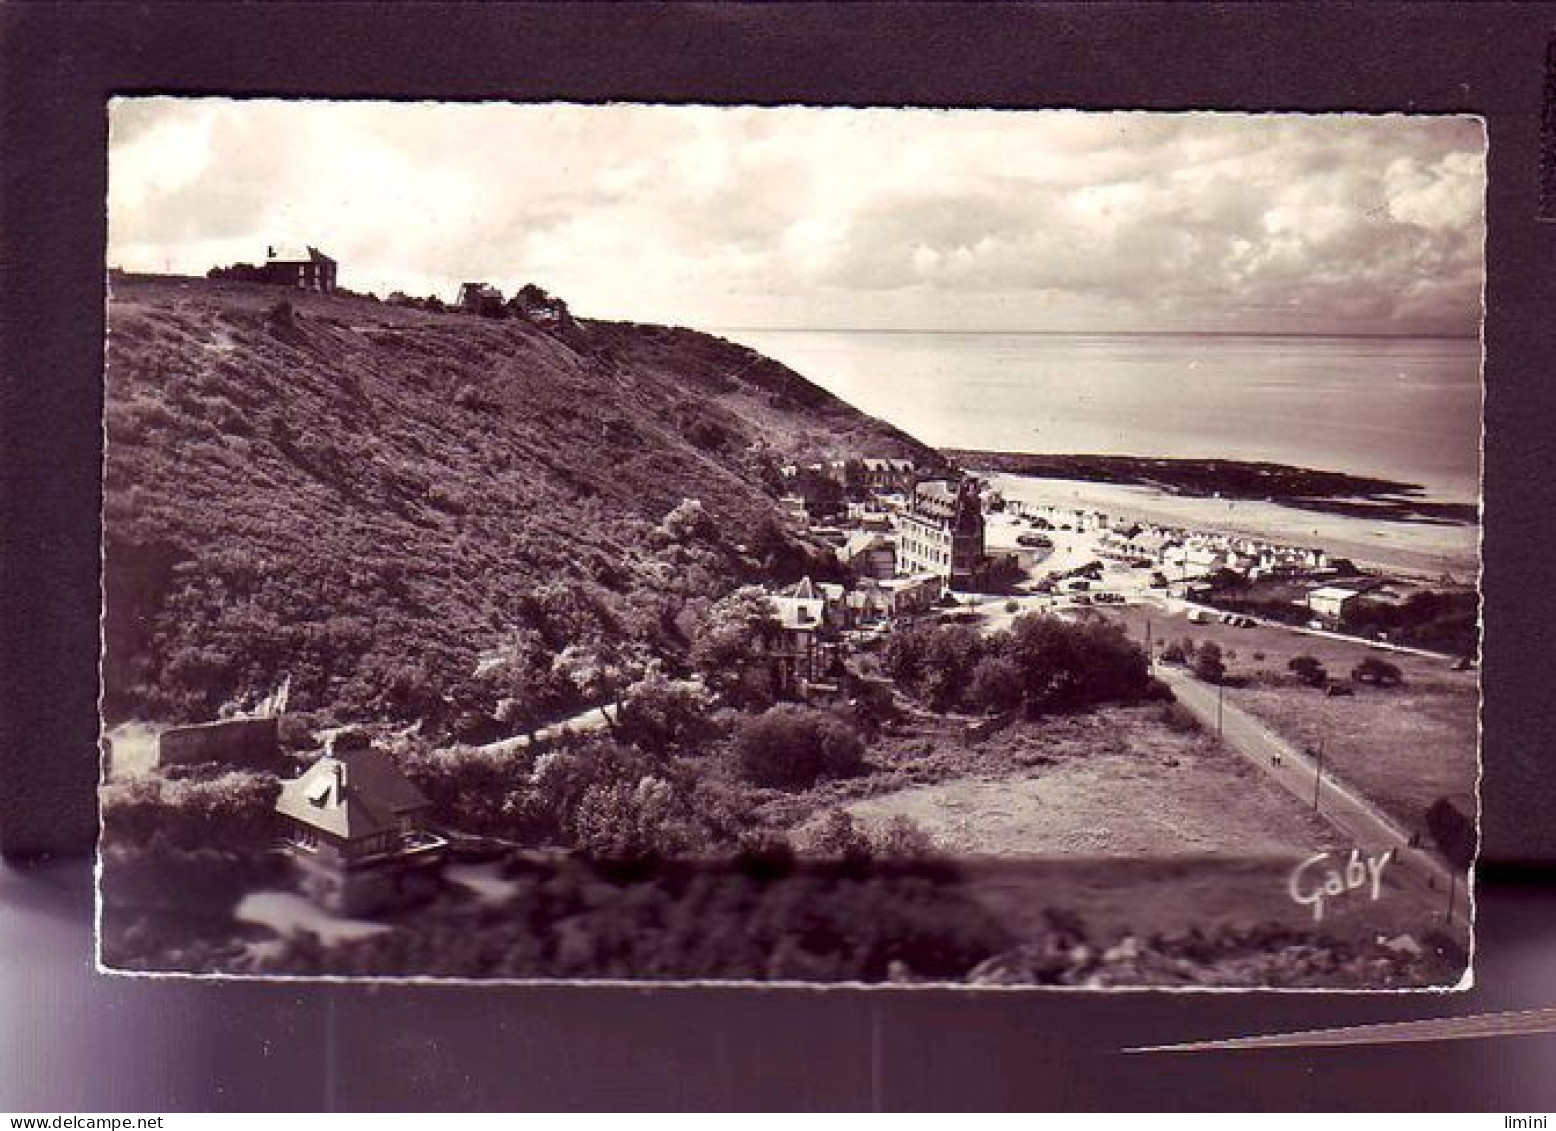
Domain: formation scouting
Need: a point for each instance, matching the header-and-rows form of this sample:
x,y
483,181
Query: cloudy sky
x,y
831,218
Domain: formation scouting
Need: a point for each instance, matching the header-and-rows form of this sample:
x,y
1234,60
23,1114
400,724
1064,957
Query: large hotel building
x,y
941,531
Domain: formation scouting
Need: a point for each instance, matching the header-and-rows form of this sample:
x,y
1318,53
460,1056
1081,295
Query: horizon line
x,y
1084,333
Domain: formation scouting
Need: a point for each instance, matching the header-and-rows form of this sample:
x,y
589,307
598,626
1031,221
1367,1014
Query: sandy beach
x,y
1416,548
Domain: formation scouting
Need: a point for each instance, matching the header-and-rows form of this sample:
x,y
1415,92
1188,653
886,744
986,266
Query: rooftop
x,y
351,793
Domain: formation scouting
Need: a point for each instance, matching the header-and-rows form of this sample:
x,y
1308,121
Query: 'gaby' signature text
x,y
1323,877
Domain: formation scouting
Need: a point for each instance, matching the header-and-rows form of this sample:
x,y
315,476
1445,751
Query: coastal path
x,y
1371,831
582,723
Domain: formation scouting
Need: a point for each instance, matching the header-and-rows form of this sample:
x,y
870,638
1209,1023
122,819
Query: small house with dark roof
x,y
356,829
306,268
481,298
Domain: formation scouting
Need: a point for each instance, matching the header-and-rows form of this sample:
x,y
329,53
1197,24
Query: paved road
x,y
1363,823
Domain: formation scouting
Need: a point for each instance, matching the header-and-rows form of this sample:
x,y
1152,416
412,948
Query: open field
x,y
1118,782
1402,747
1143,790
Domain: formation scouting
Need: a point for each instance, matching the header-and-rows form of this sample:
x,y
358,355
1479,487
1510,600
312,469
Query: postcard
x,y
892,547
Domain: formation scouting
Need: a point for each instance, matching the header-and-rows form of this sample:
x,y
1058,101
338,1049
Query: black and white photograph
x,y
1000,549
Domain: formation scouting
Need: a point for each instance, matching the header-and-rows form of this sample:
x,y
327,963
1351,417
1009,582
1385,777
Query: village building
x,y
543,309
875,473
878,601
251,743
793,509
356,830
306,268
481,298
807,650
941,531
1331,601
869,553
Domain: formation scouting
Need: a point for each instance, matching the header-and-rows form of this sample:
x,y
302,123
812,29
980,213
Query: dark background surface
x,y
74,1040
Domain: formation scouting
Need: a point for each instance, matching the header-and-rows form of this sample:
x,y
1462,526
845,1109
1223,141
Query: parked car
x,y
1338,690
1199,616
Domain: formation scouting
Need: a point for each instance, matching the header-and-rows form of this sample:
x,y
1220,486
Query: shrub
x,y
873,707
838,836
234,811
1380,672
1176,717
1174,654
689,521
901,838
789,745
632,820
1308,670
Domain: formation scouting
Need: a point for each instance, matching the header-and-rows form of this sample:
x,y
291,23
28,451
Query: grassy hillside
x,y
367,497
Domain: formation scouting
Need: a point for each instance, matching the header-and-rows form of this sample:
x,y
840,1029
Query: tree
x,y
789,745
735,634
1224,580
996,684
873,707
600,671
1208,663
659,715
1454,832
1308,670
1380,672
1066,666
689,521
951,653
523,680
823,495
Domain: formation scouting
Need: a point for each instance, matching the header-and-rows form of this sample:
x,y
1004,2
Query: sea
x,y
1398,408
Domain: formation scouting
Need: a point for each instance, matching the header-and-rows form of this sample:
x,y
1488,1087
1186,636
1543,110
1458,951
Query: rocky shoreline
x,y
1327,492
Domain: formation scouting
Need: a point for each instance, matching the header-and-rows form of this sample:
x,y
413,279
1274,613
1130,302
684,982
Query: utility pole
x,y
1220,689
1150,657
1318,773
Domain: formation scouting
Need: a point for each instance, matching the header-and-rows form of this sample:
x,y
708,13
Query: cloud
x,y
791,216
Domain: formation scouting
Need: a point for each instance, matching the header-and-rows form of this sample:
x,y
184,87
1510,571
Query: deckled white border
x,y
1467,979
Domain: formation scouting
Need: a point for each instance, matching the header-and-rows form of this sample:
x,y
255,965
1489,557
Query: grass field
x,y
1401,747
1122,783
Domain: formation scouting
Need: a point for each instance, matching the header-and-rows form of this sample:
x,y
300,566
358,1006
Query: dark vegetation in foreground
x,y
767,917
1332,492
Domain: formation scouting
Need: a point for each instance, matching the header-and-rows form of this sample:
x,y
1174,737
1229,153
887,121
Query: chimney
x,y
340,781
